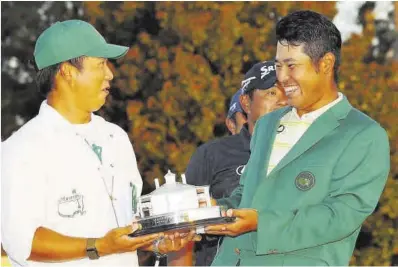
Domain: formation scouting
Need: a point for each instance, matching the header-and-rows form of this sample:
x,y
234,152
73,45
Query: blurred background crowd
x,y
171,92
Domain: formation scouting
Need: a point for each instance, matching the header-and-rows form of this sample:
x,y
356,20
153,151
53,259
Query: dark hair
x,y
45,77
250,93
318,34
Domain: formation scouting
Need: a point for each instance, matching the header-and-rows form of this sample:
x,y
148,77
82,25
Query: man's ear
x,y
230,125
68,72
244,101
327,64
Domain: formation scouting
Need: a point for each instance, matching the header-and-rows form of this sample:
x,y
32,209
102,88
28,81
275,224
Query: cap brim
x,y
264,85
108,51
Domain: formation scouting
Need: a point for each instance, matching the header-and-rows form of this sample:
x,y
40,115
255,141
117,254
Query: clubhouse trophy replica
x,y
174,206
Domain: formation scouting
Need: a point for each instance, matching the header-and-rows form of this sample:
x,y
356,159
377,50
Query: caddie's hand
x,y
176,240
246,221
118,241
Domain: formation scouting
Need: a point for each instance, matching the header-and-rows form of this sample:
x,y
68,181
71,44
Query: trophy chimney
x,y
183,178
170,178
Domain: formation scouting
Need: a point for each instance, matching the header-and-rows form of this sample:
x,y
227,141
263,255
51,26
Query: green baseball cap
x,y
69,39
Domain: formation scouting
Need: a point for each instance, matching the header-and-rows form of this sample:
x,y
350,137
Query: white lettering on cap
x,y
246,82
233,107
265,70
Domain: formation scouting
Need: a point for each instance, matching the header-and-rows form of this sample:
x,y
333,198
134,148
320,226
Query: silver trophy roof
x,y
171,186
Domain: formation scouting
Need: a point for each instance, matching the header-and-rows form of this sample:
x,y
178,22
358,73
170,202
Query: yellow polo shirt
x,y
290,130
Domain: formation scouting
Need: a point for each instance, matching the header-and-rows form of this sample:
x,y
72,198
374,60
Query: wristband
x,y
91,250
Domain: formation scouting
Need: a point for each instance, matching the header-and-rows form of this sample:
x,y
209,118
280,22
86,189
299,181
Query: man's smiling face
x,y
299,77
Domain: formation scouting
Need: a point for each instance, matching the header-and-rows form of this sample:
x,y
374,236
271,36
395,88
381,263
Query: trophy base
x,y
189,219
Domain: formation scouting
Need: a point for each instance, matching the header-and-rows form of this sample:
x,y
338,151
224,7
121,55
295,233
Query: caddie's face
x,y
299,77
266,101
92,84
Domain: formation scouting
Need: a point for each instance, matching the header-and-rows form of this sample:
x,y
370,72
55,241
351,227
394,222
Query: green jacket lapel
x,y
326,123
269,129
261,147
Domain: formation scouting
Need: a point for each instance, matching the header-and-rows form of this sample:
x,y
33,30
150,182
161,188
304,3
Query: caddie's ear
x,y
68,72
245,103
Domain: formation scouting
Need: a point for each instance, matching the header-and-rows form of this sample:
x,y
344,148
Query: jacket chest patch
x,y
305,181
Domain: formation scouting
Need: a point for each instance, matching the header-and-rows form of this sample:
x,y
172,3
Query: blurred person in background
x,y
236,117
261,93
70,180
317,168
220,163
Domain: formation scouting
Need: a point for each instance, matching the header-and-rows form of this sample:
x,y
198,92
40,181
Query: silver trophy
x,y
176,206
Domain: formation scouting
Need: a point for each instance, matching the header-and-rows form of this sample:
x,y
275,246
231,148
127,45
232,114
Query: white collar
x,y
313,115
54,117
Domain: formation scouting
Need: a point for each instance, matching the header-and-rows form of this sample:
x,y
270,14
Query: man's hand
x,y
246,221
118,241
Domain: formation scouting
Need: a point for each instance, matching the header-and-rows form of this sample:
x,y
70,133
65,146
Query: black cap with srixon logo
x,y
261,76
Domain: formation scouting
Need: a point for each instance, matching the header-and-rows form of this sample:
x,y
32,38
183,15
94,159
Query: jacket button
x,y
237,251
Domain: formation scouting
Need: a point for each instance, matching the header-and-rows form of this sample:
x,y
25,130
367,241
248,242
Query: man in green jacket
x,y
317,168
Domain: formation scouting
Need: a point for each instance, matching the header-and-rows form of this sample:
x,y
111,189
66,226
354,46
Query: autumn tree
x,y
21,23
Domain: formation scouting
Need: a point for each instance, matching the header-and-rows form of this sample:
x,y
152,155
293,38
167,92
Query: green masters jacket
x,y
312,204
